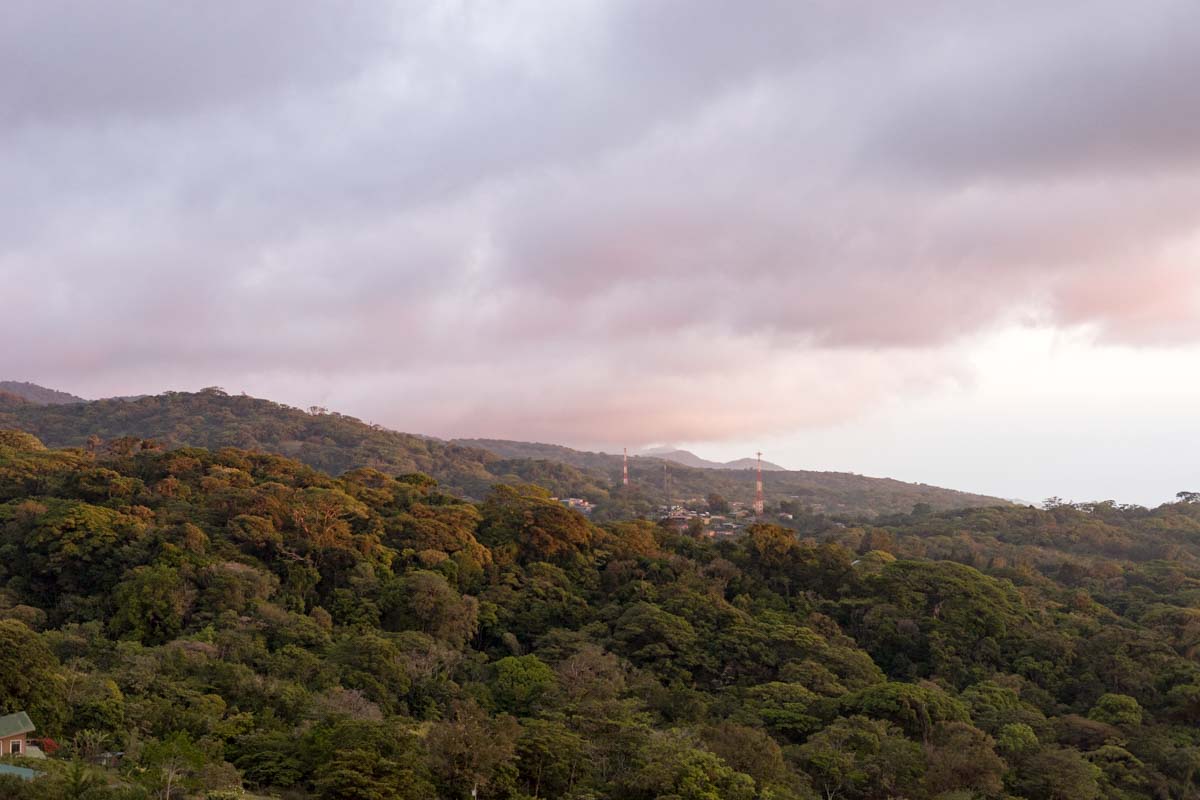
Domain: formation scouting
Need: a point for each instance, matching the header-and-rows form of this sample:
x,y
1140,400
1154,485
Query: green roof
x,y
20,772
15,724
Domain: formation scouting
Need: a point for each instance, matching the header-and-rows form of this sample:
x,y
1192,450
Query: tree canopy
x,y
232,620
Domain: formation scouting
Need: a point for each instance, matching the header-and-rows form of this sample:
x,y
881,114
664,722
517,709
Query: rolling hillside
x,y
829,492
690,459
335,443
38,394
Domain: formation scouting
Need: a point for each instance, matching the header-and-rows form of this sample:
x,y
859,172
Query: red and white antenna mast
x,y
758,492
625,468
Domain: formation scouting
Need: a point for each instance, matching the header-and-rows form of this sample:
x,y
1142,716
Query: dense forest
x,y
203,623
334,443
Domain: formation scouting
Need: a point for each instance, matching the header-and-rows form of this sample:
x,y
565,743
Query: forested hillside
x,y
690,459
213,419
38,394
233,619
831,492
335,443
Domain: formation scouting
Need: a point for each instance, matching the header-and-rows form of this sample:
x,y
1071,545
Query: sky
x,y
946,242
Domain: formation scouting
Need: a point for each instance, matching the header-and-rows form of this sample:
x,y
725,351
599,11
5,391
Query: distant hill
x,y
690,459
828,492
583,459
212,419
38,394
335,443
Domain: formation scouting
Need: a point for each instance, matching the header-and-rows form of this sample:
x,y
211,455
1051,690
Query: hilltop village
x,y
696,517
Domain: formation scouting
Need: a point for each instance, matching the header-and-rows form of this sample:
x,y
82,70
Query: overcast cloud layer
x,y
589,222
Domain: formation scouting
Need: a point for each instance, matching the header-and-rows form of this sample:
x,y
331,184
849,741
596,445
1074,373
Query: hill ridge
x,y
335,443
41,395
690,459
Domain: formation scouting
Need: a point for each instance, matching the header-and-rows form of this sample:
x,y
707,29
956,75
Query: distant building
x,y
678,512
14,730
579,504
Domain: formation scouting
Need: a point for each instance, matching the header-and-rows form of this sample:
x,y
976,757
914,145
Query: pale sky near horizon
x,y
1043,413
948,242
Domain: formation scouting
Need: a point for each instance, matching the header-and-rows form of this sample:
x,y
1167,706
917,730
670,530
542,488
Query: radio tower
x,y
625,468
758,494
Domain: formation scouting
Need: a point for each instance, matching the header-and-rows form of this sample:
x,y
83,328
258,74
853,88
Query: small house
x,y
14,728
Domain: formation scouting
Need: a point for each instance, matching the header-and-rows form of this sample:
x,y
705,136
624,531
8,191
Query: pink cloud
x,y
631,225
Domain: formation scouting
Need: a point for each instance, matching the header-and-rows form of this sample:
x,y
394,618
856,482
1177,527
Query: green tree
x,y
270,759
716,503
522,522
676,767
788,709
151,604
375,665
14,788
79,782
1117,709
31,679
322,517
173,766
1017,740
551,757
66,547
862,758
916,708
753,752
1057,773
468,748
361,773
425,601
520,682
655,638
961,756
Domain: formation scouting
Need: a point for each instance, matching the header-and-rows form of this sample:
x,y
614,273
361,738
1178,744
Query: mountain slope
x,y
335,443
38,394
690,459
212,419
829,492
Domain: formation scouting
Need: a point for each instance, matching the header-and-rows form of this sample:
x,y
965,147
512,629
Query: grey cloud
x,y
1073,87
71,62
553,201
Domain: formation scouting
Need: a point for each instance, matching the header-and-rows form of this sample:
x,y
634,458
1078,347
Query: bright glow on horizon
x,y
1045,413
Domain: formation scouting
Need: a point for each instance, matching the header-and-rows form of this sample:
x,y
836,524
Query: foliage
x,y
231,620
31,678
520,682
336,443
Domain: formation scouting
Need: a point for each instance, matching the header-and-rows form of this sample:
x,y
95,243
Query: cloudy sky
x,y
941,241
